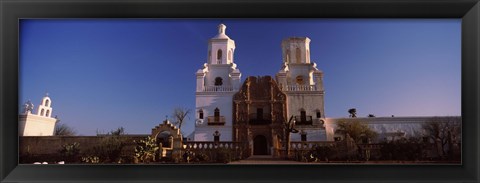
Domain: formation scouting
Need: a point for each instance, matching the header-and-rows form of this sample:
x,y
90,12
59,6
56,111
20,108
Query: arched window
x,y
47,102
42,112
298,55
230,55
219,56
216,115
218,81
200,114
48,113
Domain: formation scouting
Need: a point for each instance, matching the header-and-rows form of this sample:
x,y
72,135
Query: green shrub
x,y
146,150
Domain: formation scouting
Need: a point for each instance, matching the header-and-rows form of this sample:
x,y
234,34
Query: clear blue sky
x,y
103,74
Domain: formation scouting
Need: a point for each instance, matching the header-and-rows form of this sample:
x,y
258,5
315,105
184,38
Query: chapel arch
x,y
219,56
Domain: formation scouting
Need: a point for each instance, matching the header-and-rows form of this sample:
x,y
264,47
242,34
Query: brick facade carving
x,y
259,109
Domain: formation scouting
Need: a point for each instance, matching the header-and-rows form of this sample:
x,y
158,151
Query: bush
x,y
224,155
316,154
110,148
146,150
402,149
201,157
91,159
70,152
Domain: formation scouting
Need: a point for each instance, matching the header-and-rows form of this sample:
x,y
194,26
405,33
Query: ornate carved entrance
x,y
259,113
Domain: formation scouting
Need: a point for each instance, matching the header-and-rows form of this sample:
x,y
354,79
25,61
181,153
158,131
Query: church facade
x,y
256,111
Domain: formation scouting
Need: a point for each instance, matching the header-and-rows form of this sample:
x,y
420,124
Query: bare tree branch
x,y
179,115
62,129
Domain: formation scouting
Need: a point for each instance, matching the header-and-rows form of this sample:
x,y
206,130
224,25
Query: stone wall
x,y
39,145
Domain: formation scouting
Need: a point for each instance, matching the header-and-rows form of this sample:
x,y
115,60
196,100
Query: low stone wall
x,y
53,144
50,146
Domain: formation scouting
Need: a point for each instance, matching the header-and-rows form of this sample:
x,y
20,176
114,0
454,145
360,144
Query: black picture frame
x,y
13,10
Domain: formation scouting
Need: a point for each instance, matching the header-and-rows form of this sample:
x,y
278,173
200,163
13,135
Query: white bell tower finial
x,y
221,28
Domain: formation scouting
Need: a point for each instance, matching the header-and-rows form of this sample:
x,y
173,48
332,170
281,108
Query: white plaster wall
x,y
300,69
292,44
225,46
205,133
306,100
312,135
208,101
214,71
411,126
33,125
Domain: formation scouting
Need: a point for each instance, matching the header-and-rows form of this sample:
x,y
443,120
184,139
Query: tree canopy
x,y
443,131
356,130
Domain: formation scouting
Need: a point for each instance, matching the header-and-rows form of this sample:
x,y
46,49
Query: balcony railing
x,y
263,119
218,88
303,121
299,88
216,120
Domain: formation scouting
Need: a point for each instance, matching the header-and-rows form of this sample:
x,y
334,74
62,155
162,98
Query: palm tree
x,y
353,112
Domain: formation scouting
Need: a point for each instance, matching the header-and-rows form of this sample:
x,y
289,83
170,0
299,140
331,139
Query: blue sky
x,y
105,73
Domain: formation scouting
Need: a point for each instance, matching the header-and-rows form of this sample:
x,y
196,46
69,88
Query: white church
x,y
255,111
39,123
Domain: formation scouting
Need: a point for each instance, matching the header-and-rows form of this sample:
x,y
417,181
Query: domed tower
x,y
302,82
217,82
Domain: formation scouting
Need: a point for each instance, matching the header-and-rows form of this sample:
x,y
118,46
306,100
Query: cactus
x,y
146,150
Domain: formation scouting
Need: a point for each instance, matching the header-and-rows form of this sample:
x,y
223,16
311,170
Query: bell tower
x,y
45,107
217,82
221,48
302,82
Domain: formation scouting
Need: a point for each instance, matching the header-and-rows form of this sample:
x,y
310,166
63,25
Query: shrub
x,y
402,149
146,150
317,153
224,155
110,147
91,159
70,151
